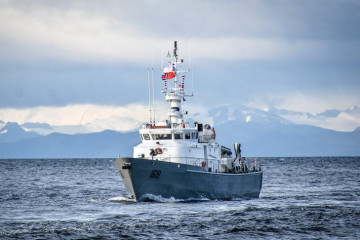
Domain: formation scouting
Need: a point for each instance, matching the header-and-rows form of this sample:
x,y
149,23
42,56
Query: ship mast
x,y
174,88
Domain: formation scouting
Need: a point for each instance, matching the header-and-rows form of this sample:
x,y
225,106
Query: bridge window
x,y
194,135
178,135
165,136
146,136
187,135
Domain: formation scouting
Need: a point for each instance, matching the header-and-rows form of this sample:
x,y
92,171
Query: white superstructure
x,y
174,140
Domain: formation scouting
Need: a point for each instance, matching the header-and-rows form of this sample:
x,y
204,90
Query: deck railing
x,y
186,160
209,164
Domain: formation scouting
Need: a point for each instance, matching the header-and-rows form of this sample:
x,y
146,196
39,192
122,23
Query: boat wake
x,y
121,199
156,198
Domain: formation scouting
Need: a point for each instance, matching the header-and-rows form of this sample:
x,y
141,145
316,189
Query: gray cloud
x,y
63,52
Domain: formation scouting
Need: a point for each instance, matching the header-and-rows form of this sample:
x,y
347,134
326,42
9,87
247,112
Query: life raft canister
x,y
203,164
159,151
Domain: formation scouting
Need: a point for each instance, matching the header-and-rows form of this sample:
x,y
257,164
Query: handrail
x,y
188,160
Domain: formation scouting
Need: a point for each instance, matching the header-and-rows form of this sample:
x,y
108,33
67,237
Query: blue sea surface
x,y
301,198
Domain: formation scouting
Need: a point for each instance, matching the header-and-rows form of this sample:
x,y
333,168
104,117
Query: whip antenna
x,y
152,76
149,86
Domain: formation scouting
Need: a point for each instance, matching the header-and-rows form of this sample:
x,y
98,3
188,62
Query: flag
x,y
170,75
182,85
169,72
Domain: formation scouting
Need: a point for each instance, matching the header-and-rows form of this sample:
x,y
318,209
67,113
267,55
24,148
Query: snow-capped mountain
x,y
274,132
12,132
223,114
346,120
340,120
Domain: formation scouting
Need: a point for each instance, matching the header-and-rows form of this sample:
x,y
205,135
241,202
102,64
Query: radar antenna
x,y
175,50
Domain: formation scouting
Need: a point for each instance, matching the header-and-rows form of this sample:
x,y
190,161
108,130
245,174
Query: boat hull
x,y
146,178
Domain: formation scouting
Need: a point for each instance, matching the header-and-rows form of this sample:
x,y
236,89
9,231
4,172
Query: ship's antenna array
x,y
174,86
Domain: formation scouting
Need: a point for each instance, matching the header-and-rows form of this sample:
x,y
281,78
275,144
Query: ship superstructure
x,y
174,140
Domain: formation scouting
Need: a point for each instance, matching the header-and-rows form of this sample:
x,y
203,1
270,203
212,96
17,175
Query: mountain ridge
x,y
261,133
13,132
107,143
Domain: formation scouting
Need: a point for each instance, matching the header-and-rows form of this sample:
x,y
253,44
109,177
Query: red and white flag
x,y
169,72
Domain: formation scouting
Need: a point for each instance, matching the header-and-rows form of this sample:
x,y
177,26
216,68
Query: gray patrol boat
x,y
183,162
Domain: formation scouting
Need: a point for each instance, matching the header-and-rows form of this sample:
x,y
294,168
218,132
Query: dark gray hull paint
x,y
145,177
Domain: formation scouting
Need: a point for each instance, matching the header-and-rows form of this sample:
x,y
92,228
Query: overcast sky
x,y
294,55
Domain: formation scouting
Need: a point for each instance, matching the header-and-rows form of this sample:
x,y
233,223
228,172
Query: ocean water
x,y
301,198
